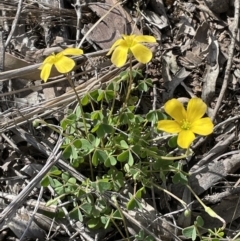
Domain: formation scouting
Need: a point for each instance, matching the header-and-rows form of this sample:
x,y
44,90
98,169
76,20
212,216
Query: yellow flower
x,y
62,63
186,122
131,44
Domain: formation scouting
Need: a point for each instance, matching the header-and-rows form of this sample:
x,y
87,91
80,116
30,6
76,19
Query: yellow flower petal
x,y
176,110
118,42
119,56
64,64
50,59
196,108
202,126
145,38
46,69
128,43
185,138
72,51
141,53
169,126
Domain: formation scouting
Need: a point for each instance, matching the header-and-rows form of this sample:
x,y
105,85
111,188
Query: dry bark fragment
x,y
116,23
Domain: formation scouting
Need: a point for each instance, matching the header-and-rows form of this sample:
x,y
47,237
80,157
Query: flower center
x,y
130,41
185,125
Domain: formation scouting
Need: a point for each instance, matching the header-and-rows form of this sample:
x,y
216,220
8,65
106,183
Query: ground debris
x,y
190,59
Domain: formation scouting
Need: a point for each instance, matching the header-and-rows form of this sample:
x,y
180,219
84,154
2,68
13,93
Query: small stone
x,y
218,6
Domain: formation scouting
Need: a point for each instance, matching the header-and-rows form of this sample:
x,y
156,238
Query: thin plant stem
x,y
122,216
169,193
130,82
91,167
91,103
113,103
83,118
199,234
50,126
119,230
79,102
208,209
170,158
128,89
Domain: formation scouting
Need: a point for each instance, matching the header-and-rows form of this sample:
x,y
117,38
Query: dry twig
x,y
11,209
229,62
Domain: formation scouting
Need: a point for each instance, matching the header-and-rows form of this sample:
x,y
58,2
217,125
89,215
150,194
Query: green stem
x,y
207,209
91,167
91,103
113,103
171,158
125,104
169,193
119,230
130,82
83,118
79,102
40,121
199,234
122,216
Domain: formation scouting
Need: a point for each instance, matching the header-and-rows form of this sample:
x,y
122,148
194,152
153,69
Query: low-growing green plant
x,y
194,231
141,236
112,144
111,138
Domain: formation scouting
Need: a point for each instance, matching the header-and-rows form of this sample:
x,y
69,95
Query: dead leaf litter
x,y
197,55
